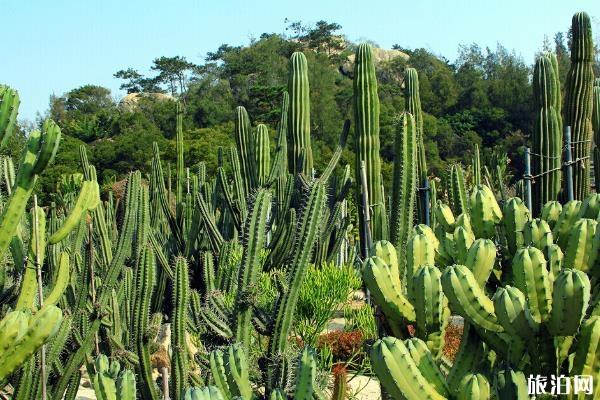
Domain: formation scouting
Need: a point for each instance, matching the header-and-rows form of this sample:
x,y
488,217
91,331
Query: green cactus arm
x,y
62,280
9,108
475,387
105,386
386,291
550,212
468,298
25,181
88,190
537,233
126,389
516,216
236,372
580,253
481,259
430,307
570,300
48,147
424,361
511,308
37,245
567,218
398,372
531,276
12,327
41,326
217,369
485,212
305,375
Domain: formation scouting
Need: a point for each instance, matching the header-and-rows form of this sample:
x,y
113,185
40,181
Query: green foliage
x,y
323,293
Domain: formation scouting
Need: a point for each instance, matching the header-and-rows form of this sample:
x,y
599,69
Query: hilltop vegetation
x,y
484,97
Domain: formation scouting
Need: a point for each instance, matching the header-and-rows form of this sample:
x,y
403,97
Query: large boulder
x,y
131,100
379,55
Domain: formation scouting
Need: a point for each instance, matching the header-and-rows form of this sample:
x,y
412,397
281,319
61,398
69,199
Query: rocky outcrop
x,y
130,101
379,55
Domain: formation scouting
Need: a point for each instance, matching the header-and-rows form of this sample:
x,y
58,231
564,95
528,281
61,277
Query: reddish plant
x,y
452,341
343,345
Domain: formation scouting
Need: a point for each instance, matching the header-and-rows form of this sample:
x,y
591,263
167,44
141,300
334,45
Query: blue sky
x,y
54,46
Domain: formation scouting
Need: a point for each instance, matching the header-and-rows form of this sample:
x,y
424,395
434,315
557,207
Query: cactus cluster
x,y
200,281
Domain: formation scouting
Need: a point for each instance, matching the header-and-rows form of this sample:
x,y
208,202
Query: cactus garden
x,y
226,278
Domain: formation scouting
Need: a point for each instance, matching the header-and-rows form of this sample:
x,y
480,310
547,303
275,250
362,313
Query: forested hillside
x,y
484,97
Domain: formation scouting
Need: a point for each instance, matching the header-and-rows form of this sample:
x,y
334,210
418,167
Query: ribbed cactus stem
x,y
404,185
245,150
366,131
9,108
300,158
250,268
547,134
578,101
306,236
262,154
412,104
179,360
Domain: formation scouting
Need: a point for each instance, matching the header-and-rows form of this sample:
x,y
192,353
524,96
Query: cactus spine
x,y
366,131
578,101
300,159
547,133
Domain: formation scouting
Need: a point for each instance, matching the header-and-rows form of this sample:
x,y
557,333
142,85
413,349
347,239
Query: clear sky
x,y
51,47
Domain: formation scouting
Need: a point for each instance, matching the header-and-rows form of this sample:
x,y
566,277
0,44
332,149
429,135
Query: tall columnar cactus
x,y
144,284
412,104
404,185
578,101
179,360
366,131
244,142
262,154
300,158
306,237
250,268
547,134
